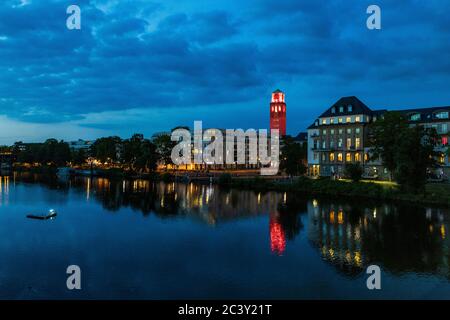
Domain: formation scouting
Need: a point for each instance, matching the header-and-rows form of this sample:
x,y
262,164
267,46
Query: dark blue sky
x,y
142,66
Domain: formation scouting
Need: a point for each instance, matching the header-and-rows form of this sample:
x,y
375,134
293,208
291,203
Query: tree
x,y
147,156
415,154
106,149
292,156
164,146
78,157
384,134
353,171
407,152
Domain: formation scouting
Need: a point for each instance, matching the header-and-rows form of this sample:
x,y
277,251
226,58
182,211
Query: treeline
x,y
136,153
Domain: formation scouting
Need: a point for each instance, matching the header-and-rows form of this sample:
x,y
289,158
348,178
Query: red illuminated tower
x,y
278,112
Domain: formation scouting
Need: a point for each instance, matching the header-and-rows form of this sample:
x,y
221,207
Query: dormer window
x,y
333,110
341,109
415,117
350,108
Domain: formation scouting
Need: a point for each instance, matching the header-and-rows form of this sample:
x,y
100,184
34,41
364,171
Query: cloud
x,y
175,55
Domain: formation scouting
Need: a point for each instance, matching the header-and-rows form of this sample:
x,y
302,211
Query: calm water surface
x,y
135,239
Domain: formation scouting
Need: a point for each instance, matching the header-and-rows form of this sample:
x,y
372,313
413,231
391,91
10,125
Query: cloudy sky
x,y
144,66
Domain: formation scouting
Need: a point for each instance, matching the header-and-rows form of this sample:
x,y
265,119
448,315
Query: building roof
x,y
302,136
278,91
358,107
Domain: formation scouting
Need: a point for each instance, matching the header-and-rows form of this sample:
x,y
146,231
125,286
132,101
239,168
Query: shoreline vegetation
x,y
433,194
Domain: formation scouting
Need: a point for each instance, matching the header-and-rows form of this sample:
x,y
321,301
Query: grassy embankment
x,y
434,194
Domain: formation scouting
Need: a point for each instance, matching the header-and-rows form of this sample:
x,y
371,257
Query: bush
x,y
353,171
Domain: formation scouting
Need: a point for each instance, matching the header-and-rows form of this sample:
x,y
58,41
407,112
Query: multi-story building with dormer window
x,y
340,135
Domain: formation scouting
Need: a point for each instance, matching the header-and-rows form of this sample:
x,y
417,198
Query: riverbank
x,y
434,194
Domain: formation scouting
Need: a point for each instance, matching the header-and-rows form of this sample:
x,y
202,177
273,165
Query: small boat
x,y
50,215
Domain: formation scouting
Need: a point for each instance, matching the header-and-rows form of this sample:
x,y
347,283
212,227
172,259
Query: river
x,y
142,240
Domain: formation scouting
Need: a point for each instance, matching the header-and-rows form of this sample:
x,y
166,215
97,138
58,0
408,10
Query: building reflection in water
x,y
399,238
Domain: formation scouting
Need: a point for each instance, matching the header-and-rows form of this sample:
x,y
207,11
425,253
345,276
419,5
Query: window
x,y
348,120
324,158
441,158
324,144
340,143
340,157
442,115
315,156
324,121
444,128
357,157
415,117
358,119
331,144
332,120
348,157
333,110
357,143
332,131
349,143
341,131
324,132
341,109
349,131
350,108
331,156
366,157
444,140
340,120
357,130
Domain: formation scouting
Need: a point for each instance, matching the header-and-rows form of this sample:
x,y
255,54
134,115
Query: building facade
x,y
340,135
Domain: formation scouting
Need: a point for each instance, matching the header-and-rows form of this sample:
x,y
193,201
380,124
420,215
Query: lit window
x,y
358,119
340,157
324,121
332,131
272,109
324,132
279,108
357,143
324,144
348,119
348,157
332,120
349,143
349,131
341,131
444,140
442,115
331,156
357,130
340,143
366,157
357,157
340,120
415,117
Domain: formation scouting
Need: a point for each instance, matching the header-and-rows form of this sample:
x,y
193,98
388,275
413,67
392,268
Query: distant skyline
x,y
140,66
